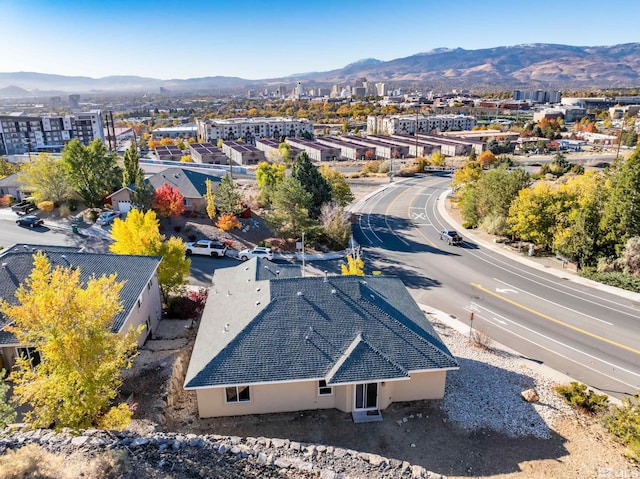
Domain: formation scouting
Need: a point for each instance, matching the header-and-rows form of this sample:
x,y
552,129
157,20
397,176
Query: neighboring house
x,y
140,294
272,341
10,185
191,184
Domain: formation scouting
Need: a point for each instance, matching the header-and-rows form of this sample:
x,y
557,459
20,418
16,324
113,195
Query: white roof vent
x,y
299,293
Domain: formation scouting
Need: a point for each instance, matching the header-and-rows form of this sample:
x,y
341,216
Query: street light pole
x,y
303,265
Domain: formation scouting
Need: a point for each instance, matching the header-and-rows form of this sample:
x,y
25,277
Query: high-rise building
x,y
21,134
74,102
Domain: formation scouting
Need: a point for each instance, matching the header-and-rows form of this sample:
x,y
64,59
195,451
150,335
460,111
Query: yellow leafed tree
x,y
211,199
140,234
69,324
354,266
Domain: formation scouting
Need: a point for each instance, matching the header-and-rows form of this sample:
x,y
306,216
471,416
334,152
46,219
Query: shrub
x,y
613,278
188,306
384,167
371,166
5,200
46,206
578,396
227,222
480,339
64,211
624,423
494,224
265,244
468,225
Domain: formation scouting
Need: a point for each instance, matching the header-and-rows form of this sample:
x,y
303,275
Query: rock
x,y
79,441
530,395
296,446
222,449
327,474
418,472
376,460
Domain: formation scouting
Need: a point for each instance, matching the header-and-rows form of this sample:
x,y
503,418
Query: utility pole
x,y
303,268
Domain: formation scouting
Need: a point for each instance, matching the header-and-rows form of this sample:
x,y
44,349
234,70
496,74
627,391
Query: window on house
x,y
323,389
30,354
237,394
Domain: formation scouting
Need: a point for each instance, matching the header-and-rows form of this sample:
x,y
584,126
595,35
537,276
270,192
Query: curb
x,y
533,264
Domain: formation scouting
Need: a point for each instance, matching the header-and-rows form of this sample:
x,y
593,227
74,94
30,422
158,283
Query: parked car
x,y
30,221
258,251
451,237
206,248
23,206
107,217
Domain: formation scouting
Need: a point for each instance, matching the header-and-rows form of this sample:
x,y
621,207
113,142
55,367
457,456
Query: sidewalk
x,y
546,264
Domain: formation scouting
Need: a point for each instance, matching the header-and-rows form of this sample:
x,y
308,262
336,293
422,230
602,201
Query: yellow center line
x,y
557,321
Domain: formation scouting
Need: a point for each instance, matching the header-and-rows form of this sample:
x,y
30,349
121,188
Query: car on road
x,y
451,237
206,248
30,221
258,251
107,217
25,206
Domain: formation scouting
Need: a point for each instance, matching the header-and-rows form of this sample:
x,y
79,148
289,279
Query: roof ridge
x,y
345,355
400,313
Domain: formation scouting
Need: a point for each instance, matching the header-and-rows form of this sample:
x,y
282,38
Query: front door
x,y
366,397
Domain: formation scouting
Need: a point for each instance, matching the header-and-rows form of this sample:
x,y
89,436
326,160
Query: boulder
x,y
530,395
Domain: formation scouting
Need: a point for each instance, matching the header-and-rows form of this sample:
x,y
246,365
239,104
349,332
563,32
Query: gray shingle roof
x,y
135,271
342,329
191,184
267,270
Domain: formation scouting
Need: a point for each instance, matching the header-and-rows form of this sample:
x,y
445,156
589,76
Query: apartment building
x,y
250,129
21,134
348,150
242,154
270,147
207,153
408,124
316,151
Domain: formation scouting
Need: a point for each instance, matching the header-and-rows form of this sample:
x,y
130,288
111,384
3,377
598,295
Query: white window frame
x,y
29,350
238,390
321,387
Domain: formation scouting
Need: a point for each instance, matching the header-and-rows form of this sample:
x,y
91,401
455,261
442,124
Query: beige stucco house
x,y
140,294
272,341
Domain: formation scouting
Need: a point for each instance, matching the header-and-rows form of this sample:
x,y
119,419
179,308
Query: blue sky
x,y
265,39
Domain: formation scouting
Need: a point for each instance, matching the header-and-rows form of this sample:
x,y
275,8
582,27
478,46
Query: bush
x,y
613,278
5,200
227,222
384,167
624,423
46,206
371,166
468,225
265,244
188,306
578,396
64,211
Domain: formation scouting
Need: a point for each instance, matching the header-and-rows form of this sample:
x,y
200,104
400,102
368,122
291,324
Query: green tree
x,y
140,234
472,155
621,216
69,323
7,409
131,163
93,171
143,193
46,176
268,177
290,202
312,181
340,189
229,197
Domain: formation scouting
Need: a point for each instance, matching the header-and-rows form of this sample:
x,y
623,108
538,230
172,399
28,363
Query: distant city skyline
x,y
260,40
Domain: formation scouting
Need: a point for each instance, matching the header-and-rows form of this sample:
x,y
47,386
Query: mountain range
x,y
538,65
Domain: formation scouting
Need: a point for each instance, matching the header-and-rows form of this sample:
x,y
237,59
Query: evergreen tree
x,y
229,198
312,181
131,165
142,196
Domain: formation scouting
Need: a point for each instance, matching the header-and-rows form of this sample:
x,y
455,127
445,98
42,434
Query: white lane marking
x,y
505,290
554,303
595,358
512,270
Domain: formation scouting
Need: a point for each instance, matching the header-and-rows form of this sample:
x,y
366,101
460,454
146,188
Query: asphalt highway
x,y
585,332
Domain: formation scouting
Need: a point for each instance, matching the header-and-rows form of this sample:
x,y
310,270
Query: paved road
x,y
587,333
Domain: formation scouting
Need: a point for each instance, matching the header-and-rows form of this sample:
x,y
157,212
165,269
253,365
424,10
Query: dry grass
x,y
480,339
35,462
